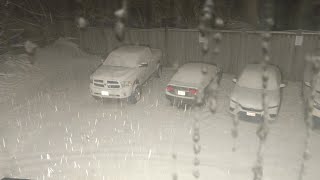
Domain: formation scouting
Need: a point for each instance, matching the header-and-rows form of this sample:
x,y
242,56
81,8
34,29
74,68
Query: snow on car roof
x,y
128,56
195,66
251,76
131,49
191,73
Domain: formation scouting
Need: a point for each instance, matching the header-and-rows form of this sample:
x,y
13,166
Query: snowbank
x,y
66,47
14,69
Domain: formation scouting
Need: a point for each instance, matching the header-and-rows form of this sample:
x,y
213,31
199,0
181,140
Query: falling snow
x,y
58,131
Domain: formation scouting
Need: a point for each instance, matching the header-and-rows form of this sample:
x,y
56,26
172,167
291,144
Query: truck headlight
x,y
273,108
126,83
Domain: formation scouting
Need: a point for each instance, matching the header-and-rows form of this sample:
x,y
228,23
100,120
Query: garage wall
x,y
237,48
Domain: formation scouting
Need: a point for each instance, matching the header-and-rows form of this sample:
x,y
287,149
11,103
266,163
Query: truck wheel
x,y
97,98
135,95
159,72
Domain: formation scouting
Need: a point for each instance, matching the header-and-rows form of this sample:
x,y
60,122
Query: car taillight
x,y
170,88
193,91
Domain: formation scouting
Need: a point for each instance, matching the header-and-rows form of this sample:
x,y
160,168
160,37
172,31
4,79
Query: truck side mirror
x,y
143,64
234,80
307,83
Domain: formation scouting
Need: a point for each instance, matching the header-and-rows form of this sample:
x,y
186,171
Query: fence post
x,y
165,46
296,57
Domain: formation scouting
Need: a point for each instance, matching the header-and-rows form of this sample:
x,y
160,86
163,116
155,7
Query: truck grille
x,y
109,84
113,84
98,83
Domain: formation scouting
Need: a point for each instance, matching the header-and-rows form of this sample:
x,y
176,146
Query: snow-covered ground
x,y
51,128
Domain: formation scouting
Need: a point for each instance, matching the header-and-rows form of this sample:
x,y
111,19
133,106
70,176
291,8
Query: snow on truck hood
x,y
113,72
252,98
191,75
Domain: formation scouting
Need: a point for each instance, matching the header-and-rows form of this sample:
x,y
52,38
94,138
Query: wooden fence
x,y
288,49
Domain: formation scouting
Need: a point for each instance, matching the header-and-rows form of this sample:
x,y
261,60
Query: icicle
x,y
149,154
49,172
4,143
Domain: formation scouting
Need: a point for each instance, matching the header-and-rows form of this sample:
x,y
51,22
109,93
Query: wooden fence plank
x,y
236,49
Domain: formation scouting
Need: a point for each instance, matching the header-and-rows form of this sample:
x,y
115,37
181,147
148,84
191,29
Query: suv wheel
x,y
135,95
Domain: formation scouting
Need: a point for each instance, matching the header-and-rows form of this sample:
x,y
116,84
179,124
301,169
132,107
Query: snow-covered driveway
x,y
55,130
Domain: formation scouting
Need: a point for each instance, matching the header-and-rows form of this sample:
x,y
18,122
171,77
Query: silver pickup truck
x,y
124,71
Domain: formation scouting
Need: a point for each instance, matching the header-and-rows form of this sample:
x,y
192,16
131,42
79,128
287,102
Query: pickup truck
x,y
124,71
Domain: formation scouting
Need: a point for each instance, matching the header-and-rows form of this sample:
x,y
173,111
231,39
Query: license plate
x,y
251,114
105,93
181,93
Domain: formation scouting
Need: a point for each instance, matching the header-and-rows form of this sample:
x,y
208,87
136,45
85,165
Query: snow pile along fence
x,y
14,69
67,47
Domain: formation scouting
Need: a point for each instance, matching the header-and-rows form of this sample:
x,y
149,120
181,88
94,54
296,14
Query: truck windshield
x,y
122,60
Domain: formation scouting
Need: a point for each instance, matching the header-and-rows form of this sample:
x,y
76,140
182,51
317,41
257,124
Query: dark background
x,y
288,14
44,20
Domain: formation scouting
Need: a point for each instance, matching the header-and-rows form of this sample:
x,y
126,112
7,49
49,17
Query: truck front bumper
x,y
114,93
